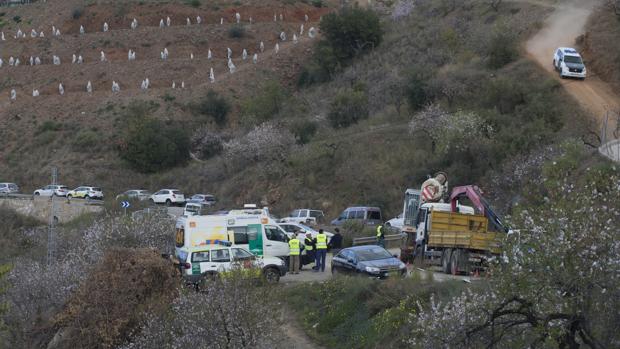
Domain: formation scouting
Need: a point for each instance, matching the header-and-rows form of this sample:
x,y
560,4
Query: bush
x,y
323,66
236,32
194,3
317,3
77,13
348,107
352,32
215,106
267,104
49,125
17,19
85,140
502,49
415,91
206,144
303,130
150,146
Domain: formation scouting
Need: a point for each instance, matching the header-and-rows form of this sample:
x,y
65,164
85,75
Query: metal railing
x,y
16,2
372,240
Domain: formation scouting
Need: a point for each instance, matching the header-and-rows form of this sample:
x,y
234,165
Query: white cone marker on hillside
x,y
229,53
283,36
57,32
13,95
188,21
312,32
231,66
191,56
82,30
174,85
168,21
33,33
80,59
61,89
11,61
2,62
16,62
103,56
89,87
221,20
2,37
41,34
115,86
209,54
294,38
182,84
237,17
306,17
73,59
134,24
211,76
161,23
275,17
262,47
35,93
244,55
277,48
198,20
255,58
56,60
105,27
37,61
281,17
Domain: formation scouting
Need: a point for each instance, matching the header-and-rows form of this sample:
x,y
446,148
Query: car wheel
x,y
168,202
335,271
69,196
271,275
37,194
152,201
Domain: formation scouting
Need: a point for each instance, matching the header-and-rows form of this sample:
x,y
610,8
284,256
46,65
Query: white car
x,y
304,216
200,263
9,188
169,197
291,228
567,61
86,193
396,223
52,190
135,194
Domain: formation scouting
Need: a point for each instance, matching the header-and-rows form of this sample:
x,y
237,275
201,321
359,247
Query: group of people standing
x,y
316,250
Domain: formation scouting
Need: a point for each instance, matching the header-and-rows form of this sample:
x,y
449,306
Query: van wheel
x,y
445,260
168,202
271,275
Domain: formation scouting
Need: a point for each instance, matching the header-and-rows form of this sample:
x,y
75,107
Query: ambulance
x,y
251,228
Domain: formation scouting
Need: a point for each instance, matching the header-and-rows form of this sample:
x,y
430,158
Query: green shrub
x,y
150,146
17,19
348,107
85,140
317,3
321,68
415,91
215,106
502,49
194,3
351,32
267,104
236,32
303,130
49,125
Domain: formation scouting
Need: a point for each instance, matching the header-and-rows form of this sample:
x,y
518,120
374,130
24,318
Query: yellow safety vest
x,y
293,244
379,231
321,242
308,244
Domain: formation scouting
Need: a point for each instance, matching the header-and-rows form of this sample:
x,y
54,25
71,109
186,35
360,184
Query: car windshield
x,y
63,187
176,192
316,214
572,59
95,189
372,254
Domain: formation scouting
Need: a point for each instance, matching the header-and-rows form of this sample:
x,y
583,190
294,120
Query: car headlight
x,y
372,269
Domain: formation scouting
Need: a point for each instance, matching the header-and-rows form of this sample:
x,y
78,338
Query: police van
x,y
218,258
249,228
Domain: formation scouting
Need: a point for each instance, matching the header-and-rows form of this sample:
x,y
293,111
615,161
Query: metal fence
x,y
16,2
391,241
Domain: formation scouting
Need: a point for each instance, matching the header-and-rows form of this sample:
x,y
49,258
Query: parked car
x,y
370,260
168,197
86,193
195,209
396,223
9,188
135,194
291,228
52,190
366,215
305,216
204,199
567,61
199,264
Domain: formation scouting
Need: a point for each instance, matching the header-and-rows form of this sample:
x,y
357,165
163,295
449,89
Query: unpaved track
x,y
567,22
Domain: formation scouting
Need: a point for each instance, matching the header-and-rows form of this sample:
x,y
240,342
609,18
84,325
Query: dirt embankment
x,y
563,27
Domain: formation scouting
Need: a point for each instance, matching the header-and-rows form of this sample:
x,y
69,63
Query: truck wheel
x,y
454,262
418,260
445,260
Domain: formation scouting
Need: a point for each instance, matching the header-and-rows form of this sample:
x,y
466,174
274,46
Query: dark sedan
x,y
373,261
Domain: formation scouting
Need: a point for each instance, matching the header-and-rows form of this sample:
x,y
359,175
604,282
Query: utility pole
x,y
51,239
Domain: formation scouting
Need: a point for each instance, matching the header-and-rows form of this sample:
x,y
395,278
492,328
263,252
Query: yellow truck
x,y
454,236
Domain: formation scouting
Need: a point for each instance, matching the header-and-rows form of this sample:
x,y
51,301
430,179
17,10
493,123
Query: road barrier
x,y
391,241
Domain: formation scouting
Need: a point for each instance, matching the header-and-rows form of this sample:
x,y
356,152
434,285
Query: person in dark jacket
x,y
335,244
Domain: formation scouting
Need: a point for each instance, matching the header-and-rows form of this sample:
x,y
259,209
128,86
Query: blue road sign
x,y
125,204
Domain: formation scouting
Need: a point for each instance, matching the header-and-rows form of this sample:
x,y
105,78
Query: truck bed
x,y
457,230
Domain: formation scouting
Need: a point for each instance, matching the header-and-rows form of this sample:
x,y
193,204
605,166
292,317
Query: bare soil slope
x,y
562,29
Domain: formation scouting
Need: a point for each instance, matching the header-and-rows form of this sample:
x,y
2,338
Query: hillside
x,y
449,59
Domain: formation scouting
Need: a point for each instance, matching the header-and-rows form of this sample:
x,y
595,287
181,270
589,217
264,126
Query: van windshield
x,y
573,59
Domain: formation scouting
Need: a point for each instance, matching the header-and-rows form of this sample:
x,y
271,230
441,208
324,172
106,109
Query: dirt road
x,y
561,29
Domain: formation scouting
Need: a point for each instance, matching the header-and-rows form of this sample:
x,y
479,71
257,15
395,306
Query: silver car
x,y
9,188
135,194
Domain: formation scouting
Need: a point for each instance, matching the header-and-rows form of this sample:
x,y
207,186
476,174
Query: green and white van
x,y
252,229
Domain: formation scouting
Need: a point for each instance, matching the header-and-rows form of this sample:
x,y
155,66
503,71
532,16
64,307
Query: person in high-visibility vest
x,y
294,252
380,236
321,250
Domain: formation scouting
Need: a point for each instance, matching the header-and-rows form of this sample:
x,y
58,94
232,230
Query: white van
x,y
252,229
